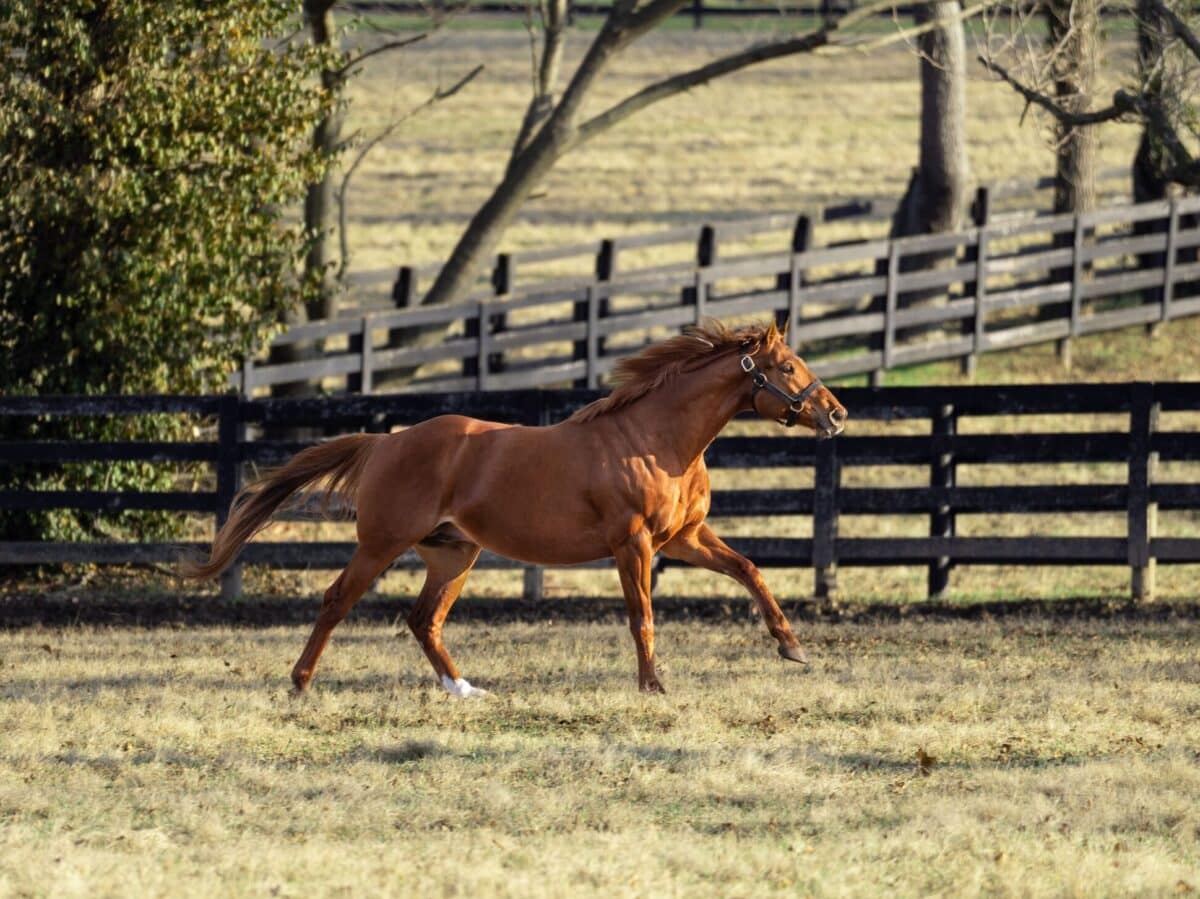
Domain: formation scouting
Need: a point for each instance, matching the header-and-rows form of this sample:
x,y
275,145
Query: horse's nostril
x,y
837,416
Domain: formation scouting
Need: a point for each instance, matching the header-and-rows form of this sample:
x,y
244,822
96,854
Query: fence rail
x,y
242,423
524,270
857,308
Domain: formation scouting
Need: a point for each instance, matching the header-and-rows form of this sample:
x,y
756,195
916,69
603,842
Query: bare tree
x,y
936,199
1160,97
328,253
553,126
1073,30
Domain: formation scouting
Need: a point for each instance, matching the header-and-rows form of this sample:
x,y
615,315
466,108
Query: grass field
x,y
173,762
1035,753
778,137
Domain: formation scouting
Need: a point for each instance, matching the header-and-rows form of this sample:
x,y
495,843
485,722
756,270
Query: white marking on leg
x,y
462,688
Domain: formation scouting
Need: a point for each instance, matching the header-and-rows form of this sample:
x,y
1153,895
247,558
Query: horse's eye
x,y
787,368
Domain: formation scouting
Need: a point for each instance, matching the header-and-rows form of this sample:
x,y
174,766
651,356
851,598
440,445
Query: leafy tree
x,y
149,150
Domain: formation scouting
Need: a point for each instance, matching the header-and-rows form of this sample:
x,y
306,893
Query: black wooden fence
x,y
235,427
859,308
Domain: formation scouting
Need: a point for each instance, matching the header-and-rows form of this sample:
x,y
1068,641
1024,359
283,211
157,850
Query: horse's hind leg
x,y
351,584
448,564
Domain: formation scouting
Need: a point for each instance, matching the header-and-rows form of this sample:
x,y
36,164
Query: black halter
x,y
795,402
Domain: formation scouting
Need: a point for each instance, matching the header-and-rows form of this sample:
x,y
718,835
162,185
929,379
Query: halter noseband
x,y
795,402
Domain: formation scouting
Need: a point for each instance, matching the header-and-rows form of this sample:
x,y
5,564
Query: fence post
x,y
1064,346
483,342
472,328
794,279
502,278
231,432
248,375
889,313
706,255
827,479
1143,514
360,381
591,309
1168,290
593,339
980,211
697,14
404,295
942,475
366,357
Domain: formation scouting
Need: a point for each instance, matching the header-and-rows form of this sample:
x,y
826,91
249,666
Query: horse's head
x,y
783,389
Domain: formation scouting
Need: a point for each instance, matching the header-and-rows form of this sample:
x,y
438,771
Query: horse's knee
x,y
423,627
745,571
641,628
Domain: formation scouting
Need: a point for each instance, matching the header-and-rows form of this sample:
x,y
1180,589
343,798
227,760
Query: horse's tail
x,y
340,462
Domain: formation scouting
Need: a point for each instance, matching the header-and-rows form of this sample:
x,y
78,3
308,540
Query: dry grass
x,y
779,137
173,762
162,762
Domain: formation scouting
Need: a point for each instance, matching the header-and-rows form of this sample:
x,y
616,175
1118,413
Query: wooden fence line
x,y
404,283
943,449
855,308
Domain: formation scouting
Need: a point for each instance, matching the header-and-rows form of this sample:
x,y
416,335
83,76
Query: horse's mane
x,y
637,375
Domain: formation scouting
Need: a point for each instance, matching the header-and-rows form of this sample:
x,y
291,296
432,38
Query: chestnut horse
x,y
622,477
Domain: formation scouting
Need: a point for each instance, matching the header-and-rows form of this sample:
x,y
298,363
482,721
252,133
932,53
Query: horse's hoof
x,y
461,688
652,687
794,654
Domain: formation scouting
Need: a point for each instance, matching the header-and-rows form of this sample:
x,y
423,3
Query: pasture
x,y
1048,749
1028,755
797,132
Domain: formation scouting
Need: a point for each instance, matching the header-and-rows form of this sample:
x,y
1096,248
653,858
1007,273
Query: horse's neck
x,y
684,415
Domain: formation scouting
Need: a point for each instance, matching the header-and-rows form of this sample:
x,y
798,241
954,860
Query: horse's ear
x,y
783,333
772,334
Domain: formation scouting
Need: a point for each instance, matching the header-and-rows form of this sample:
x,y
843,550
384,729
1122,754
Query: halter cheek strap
x,y
794,401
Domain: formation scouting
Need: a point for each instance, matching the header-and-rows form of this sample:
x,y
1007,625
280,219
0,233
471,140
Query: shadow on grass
x,y
148,609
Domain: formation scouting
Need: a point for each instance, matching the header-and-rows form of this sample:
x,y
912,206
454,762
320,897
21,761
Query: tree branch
x,y
382,48
676,84
1123,103
1180,27
820,39
905,34
437,96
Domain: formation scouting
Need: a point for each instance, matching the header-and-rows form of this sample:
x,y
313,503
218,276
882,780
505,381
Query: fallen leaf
x,y
1184,887
925,762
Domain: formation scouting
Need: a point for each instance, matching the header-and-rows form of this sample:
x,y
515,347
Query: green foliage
x,y
149,150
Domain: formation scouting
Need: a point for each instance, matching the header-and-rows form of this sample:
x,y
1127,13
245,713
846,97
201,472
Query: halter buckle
x,y
747,364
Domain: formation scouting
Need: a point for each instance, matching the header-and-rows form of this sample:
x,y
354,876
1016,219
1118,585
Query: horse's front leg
x,y
699,546
635,558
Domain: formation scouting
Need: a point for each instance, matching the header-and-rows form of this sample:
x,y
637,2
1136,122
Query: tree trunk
x,y
319,205
1152,160
943,179
541,104
1073,31
525,170
937,195
318,217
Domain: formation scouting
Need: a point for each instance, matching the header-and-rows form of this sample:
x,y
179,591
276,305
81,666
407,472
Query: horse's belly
x,y
531,517
530,532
